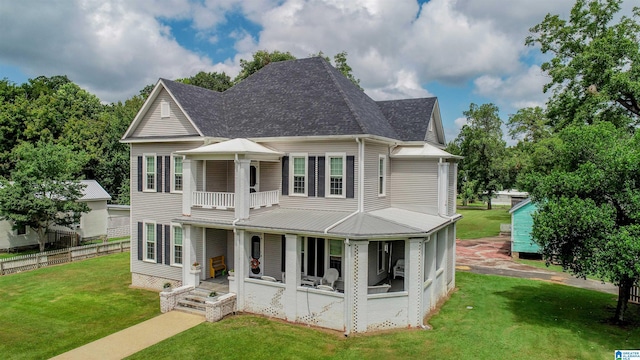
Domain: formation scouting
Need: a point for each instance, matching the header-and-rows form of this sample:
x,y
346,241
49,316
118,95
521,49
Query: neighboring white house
x,y
509,197
92,224
295,175
119,222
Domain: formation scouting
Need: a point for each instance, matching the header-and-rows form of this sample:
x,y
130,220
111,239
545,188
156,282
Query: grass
x,y
479,223
18,253
509,318
49,311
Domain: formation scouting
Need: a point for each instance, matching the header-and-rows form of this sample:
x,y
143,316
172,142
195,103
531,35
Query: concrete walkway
x,y
131,340
492,256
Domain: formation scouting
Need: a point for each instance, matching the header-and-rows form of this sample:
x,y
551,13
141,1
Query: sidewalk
x,y
491,256
131,340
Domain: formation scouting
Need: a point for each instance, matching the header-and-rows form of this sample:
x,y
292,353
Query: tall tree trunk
x,y
42,238
489,203
624,292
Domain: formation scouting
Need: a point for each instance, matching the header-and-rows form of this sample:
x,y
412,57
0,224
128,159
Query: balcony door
x,y
254,175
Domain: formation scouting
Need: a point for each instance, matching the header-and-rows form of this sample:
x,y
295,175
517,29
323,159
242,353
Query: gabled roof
x,y
305,97
520,205
425,151
409,117
93,191
234,147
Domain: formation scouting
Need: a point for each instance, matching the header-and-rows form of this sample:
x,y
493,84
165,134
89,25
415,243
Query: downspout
x,y
360,174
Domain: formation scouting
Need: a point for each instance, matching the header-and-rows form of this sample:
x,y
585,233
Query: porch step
x,y
190,310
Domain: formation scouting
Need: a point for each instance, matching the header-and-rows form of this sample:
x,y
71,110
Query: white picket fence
x,y
35,261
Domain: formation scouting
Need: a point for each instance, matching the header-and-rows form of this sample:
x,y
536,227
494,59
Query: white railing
x,y
213,200
264,198
225,200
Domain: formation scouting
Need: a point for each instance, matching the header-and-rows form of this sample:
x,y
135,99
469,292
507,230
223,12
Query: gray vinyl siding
x,y
432,136
273,255
414,185
220,176
152,124
270,176
230,250
451,196
372,201
160,207
219,215
319,148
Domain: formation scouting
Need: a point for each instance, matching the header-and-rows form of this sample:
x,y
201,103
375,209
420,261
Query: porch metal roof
x,y
422,151
232,147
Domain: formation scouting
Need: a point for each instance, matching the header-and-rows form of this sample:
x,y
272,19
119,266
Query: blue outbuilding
x,y
521,225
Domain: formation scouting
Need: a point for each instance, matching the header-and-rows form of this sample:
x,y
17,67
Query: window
x,y
335,255
382,175
149,240
177,174
298,174
21,230
381,251
149,176
335,175
165,109
176,245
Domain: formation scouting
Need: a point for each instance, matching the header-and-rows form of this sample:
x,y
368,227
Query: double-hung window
x,y
149,176
382,175
176,244
177,174
149,241
335,255
335,173
298,174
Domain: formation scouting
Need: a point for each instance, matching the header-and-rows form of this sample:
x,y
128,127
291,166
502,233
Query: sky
x,y
461,51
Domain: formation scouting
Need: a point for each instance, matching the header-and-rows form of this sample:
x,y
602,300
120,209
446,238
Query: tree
x,y
595,71
480,142
260,59
589,206
212,81
44,190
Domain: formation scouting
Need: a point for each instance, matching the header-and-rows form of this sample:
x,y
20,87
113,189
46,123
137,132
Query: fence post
x,y
70,254
1,268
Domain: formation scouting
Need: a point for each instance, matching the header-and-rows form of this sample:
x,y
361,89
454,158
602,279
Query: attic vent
x,y
164,109
431,124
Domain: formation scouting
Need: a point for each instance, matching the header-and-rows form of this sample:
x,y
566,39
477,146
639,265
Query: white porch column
x,y
355,285
429,297
414,280
242,188
292,275
188,185
189,256
241,266
443,186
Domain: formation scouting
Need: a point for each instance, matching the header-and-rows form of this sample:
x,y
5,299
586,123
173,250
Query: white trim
x,y
173,255
292,156
382,192
144,172
327,176
145,237
173,173
380,269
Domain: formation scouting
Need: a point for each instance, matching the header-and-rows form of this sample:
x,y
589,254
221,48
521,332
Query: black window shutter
x,y
320,257
311,256
285,175
159,243
140,241
312,176
350,176
167,174
283,257
167,244
139,173
159,174
321,184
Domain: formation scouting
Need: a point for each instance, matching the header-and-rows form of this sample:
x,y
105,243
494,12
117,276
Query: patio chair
x,y
325,288
398,269
268,278
330,277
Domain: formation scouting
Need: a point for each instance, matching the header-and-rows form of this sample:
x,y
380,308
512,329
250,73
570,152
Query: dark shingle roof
x,y
305,97
410,117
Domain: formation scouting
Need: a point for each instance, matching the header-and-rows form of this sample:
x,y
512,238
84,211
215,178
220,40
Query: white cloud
x,y
460,122
524,89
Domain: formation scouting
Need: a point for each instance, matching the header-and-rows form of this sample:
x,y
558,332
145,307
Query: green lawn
x,y
478,222
49,311
509,319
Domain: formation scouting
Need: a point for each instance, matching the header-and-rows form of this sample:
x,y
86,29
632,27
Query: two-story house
x,y
296,175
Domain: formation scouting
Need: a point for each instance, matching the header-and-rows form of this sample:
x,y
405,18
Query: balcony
x,y
226,200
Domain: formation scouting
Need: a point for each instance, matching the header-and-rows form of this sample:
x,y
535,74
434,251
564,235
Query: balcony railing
x,y
226,200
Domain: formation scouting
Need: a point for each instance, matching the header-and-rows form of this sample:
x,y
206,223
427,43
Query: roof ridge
x,y
344,95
